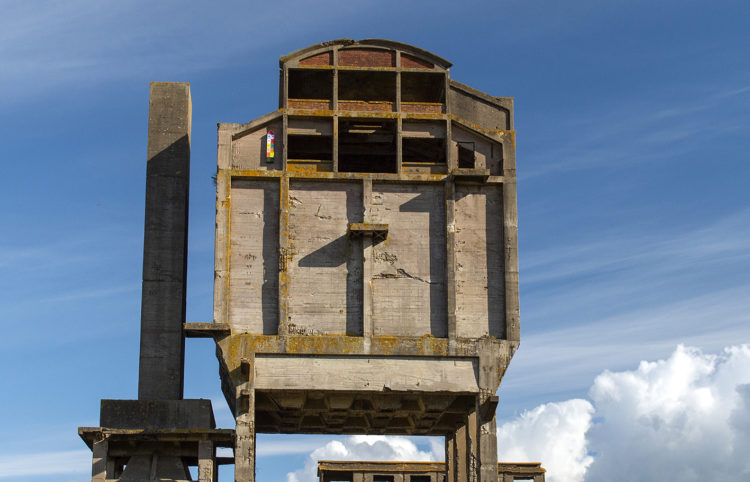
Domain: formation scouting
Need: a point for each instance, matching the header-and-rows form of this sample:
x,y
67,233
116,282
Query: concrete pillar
x,y
539,478
487,438
165,243
244,449
99,460
462,454
206,461
450,457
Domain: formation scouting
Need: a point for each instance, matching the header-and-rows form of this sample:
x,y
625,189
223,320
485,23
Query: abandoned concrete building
x,y
366,269
346,471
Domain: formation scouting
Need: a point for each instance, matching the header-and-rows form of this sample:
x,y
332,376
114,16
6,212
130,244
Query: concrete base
x,y
155,440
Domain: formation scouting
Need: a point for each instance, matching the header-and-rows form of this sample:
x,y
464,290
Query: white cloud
x,y
675,419
684,418
361,447
554,434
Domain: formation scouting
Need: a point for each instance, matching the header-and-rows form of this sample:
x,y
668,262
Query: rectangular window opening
x,y
466,157
310,147
310,84
422,87
340,477
420,478
382,478
367,145
367,86
419,149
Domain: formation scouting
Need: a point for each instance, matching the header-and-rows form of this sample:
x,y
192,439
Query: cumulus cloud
x,y
361,447
554,434
684,418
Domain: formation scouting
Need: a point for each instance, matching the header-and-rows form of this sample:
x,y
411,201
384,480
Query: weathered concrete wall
x,y
487,154
249,151
366,374
408,285
480,288
325,267
478,108
254,277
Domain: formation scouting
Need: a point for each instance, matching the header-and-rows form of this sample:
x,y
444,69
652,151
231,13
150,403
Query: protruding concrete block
x,y
157,414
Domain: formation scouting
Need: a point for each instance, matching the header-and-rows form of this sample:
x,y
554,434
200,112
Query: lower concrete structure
x,y
367,471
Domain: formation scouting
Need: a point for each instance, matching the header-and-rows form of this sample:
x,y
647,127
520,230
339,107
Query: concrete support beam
x,y
244,450
165,243
487,438
99,461
206,461
450,457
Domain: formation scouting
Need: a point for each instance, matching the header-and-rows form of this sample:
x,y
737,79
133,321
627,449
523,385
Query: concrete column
x,y
244,449
539,478
99,461
472,447
165,243
462,454
450,457
206,461
487,438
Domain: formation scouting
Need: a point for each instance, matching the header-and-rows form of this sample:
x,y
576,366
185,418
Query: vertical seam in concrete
x,y
510,240
283,329
450,262
367,255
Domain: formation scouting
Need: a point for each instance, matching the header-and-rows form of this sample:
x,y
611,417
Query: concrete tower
x,y
366,268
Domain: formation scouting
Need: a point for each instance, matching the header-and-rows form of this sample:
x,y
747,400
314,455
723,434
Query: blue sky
x,y
632,124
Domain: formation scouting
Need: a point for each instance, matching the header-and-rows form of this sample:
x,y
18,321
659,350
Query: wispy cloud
x,y
50,44
635,131
45,463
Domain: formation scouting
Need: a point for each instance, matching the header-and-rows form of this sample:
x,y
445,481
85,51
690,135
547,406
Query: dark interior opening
x,y
466,158
422,87
367,145
420,478
340,476
310,147
310,84
382,478
367,85
423,149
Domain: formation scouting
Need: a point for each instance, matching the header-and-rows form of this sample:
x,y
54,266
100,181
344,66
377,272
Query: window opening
x,y
382,478
310,147
367,145
422,87
367,86
340,477
310,84
420,478
421,149
466,157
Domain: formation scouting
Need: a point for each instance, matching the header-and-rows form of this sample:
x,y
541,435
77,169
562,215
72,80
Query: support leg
x,y
99,461
450,457
488,447
244,449
206,459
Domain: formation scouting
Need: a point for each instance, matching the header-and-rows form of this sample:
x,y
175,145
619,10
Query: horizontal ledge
x,y
206,330
461,174
223,437
378,231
